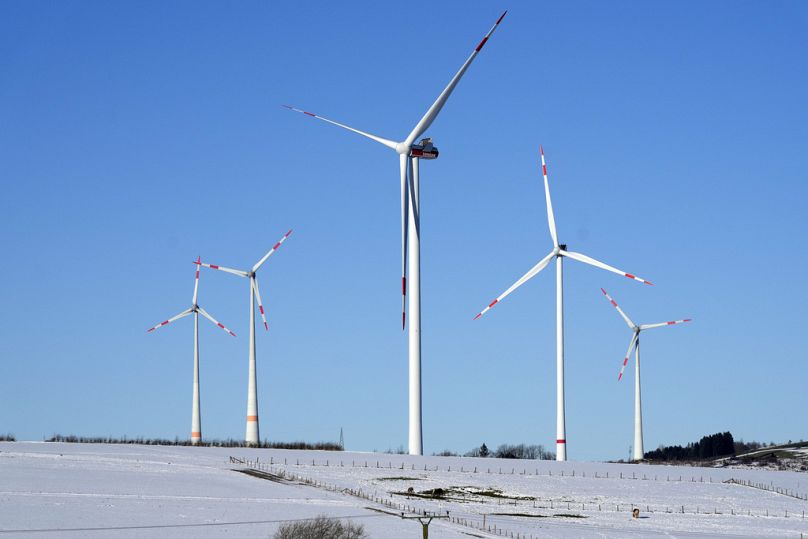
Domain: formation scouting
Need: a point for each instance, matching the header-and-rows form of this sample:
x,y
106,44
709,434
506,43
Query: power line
x,y
165,526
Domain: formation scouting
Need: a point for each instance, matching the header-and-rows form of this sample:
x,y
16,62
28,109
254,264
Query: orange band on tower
x,y
252,418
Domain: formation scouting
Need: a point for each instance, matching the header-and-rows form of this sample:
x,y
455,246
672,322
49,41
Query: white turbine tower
x,y
252,436
635,345
410,154
196,420
559,252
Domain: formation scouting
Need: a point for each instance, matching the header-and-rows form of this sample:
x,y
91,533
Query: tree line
x,y
720,444
505,451
230,442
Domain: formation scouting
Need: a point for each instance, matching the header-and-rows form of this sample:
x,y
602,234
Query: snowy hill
x,y
73,490
792,457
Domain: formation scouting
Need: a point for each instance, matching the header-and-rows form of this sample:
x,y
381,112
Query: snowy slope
x,y
80,490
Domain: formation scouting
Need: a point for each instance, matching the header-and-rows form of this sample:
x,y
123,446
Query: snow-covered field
x,y
93,490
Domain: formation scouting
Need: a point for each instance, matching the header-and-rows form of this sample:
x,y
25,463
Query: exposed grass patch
x,y
492,493
398,479
448,494
263,475
519,515
464,494
529,515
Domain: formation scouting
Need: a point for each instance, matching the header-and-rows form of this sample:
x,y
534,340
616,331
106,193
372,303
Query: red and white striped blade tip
x,y
672,322
630,276
161,324
263,316
613,302
485,39
307,113
224,328
490,306
622,368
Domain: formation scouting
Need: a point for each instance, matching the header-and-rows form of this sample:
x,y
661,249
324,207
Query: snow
x,y
74,490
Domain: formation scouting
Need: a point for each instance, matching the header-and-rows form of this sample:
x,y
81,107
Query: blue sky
x,y
136,136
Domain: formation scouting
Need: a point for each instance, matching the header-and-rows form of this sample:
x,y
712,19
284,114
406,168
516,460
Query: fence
x,y
770,488
584,507
563,473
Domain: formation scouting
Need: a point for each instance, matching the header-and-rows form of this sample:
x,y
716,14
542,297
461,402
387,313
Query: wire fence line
x,y
479,523
549,473
769,488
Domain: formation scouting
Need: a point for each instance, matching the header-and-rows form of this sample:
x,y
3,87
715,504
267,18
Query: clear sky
x,y
136,136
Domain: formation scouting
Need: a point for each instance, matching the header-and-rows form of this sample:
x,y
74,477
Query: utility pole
x,y
425,520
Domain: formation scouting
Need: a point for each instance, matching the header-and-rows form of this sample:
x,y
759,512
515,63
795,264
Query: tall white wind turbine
x,y
196,420
634,344
410,155
559,252
252,436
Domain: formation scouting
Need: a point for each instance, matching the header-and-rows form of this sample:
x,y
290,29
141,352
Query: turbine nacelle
x,y
424,150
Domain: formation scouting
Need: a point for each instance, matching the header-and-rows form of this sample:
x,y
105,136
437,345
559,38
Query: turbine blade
x,y
592,262
436,107
254,284
631,324
204,313
550,215
628,354
166,322
522,280
196,281
405,223
222,268
671,323
386,142
274,248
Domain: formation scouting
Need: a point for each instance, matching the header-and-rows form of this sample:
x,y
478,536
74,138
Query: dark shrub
x,y
321,527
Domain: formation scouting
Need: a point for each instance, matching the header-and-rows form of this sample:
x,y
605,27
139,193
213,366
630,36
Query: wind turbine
x,y
251,436
410,155
635,344
196,421
559,252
